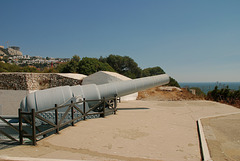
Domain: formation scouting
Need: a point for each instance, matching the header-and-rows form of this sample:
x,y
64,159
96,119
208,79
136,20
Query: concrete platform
x,y
141,130
222,136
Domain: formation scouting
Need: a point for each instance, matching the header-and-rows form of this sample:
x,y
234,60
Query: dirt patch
x,y
167,94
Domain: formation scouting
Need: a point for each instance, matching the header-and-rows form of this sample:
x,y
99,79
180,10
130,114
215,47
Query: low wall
x,y
34,81
10,101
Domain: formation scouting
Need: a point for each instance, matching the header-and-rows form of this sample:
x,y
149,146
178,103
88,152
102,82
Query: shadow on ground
x,y
4,144
136,108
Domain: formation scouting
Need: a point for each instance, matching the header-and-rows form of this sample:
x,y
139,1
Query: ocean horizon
x,y
209,86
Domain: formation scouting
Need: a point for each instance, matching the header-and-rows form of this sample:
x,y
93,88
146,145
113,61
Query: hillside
x,y
11,51
167,93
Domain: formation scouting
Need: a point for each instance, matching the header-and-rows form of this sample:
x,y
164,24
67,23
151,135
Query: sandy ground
x,y
141,130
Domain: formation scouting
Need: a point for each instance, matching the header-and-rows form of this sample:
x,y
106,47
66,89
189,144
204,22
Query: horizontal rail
x,y
27,135
9,117
95,113
26,113
46,131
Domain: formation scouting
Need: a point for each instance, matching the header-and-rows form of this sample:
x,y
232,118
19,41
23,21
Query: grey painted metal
x,y
44,99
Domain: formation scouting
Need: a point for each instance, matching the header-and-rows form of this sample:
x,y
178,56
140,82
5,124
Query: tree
x,y
50,70
89,66
76,58
152,71
29,69
61,67
157,71
3,67
123,65
6,67
72,66
173,82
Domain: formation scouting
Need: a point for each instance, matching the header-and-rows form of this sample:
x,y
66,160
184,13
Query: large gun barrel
x,y
44,99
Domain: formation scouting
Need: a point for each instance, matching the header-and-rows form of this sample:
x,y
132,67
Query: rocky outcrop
x,y
2,53
14,52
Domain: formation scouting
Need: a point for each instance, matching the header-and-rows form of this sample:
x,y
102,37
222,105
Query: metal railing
x,y
33,118
5,119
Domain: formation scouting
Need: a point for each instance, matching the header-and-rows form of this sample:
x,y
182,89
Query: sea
x,y
209,86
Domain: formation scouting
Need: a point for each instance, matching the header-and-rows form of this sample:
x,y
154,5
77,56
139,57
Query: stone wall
x,y
34,81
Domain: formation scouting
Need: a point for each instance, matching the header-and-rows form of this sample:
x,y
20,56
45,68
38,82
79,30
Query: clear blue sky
x,y
193,41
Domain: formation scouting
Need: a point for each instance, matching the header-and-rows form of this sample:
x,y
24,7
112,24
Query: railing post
x,y
115,105
72,113
104,104
56,119
20,126
34,139
84,108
